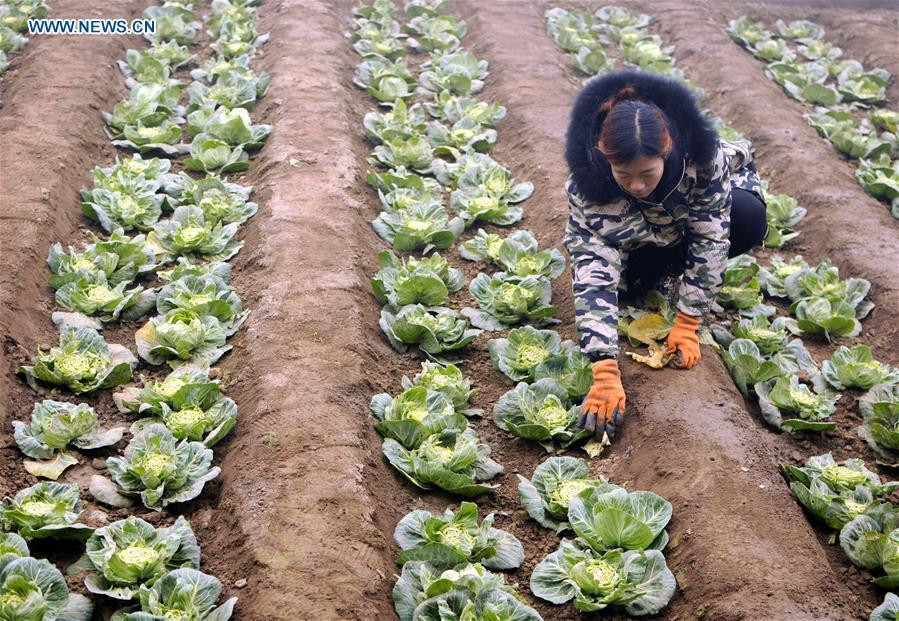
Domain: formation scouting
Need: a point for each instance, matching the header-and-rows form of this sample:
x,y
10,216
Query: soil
x,y
305,507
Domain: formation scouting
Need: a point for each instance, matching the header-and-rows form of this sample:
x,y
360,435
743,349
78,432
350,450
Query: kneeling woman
x,y
655,198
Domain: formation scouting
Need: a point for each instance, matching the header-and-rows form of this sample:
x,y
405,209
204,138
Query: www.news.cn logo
x,y
91,26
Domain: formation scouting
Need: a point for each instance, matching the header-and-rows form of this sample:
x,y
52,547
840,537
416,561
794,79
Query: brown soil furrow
x,y
708,435
304,478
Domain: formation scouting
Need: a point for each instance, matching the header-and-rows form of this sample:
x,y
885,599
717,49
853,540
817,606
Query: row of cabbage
x,y
586,37
848,98
614,559
14,16
854,502
762,357
759,352
183,414
447,560
793,391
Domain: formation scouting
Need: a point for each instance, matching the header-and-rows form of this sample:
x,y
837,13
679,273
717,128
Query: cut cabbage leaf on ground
x,y
456,537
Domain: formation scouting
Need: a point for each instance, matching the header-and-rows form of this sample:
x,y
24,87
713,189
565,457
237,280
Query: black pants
x,y
748,228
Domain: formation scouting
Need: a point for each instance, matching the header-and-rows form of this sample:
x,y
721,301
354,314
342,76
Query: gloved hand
x,y
684,341
604,406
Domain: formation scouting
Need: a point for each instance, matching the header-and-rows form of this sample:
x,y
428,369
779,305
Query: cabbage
x,y
639,581
56,425
555,483
157,468
83,362
130,553
45,510
456,537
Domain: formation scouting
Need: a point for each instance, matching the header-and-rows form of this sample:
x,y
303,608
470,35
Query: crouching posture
x,y
656,200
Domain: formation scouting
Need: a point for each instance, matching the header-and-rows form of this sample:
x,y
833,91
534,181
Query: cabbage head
x,y
456,537
44,510
129,553
637,580
83,362
549,492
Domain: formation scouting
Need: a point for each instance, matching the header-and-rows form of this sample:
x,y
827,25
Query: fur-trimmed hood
x,y
694,137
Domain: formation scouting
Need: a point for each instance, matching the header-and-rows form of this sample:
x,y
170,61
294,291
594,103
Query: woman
x,y
653,196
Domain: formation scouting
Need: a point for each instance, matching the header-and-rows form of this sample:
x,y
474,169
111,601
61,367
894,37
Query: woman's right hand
x,y
603,408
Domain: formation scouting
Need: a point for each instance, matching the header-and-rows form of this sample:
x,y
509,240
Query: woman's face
x,y
640,176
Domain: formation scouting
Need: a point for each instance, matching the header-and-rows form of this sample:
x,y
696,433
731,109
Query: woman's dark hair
x,y
632,128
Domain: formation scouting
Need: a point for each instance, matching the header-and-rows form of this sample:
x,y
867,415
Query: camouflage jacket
x,y
605,223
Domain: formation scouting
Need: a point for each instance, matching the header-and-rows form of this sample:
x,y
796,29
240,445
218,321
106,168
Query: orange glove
x,y
604,405
683,340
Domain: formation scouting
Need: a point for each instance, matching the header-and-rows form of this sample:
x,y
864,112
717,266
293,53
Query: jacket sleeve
x,y
708,237
595,271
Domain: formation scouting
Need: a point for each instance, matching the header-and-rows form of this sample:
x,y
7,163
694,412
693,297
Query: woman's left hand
x,y
683,340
